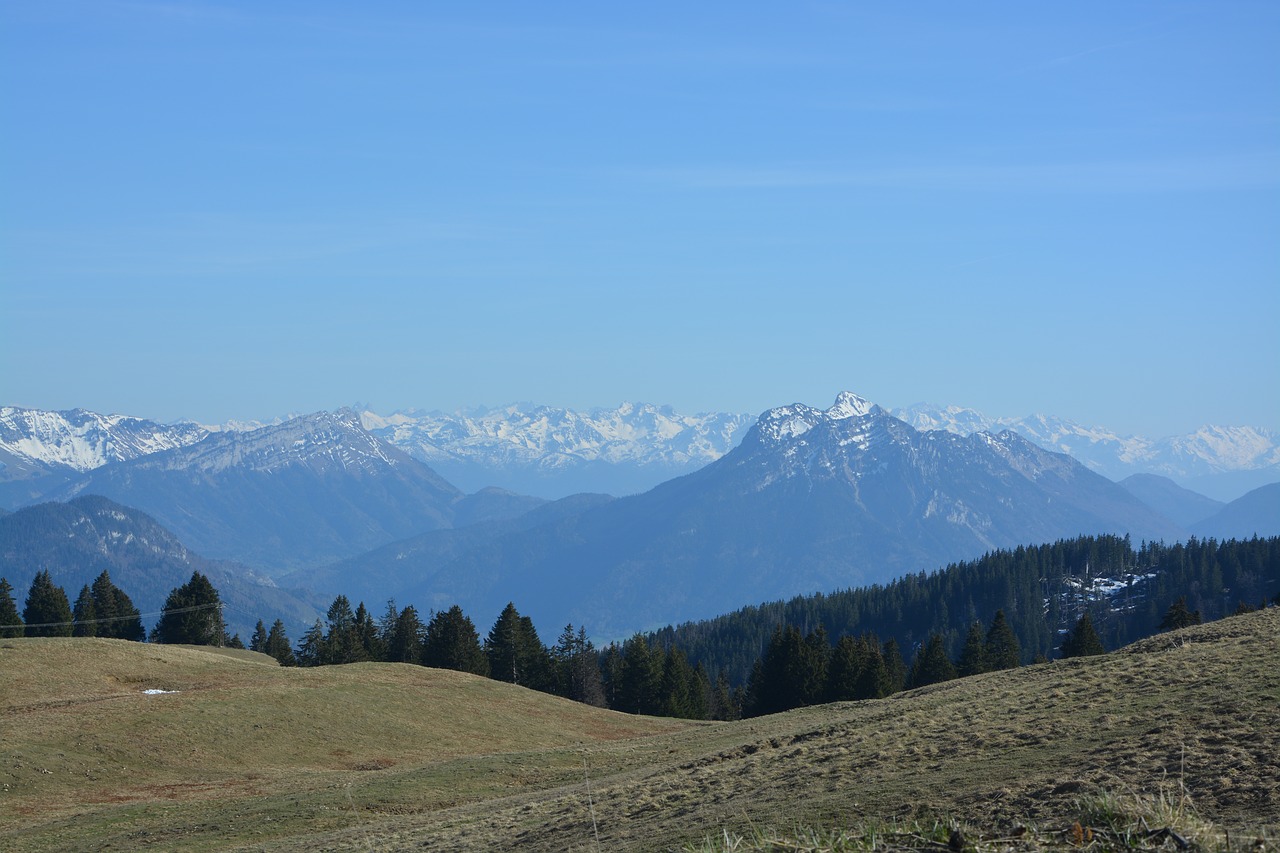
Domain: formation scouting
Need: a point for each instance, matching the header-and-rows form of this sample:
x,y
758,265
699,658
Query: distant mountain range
x,y
306,492
1222,462
811,500
554,452
807,500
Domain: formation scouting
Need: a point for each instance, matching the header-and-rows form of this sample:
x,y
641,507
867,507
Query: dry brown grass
x,y
388,757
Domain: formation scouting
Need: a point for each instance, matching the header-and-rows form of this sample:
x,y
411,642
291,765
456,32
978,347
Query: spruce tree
x,y
1002,649
848,660
258,642
895,668
639,678
11,624
47,612
973,655
875,681
192,615
311,649
931,664
277,645
1082,640
84,615
579,668
342,640
515,653
452,643
404,643
367,635
1178,616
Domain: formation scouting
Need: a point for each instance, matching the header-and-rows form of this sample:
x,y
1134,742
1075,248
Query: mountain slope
x,y
1256,513
309,490
810,500
1169,499
394,757
78,540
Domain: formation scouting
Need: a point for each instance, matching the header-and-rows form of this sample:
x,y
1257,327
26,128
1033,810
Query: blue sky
x,y
237,210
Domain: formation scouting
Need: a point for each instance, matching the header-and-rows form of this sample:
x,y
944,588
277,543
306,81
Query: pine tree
x,y
973,656
84,615
1178,616
367,635
311,650
258,642
1083,640
192,615
931,664
452,643
515,653
11,624
895,668
342,640
1002,649
47,612
639,678
404,645
579,668
277,645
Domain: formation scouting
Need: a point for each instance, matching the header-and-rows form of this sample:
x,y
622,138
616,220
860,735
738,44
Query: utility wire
x,y
75,622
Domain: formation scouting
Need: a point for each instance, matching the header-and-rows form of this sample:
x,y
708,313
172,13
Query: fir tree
x,y
515,653
83,614
895,668
11,624
452,643
192,614
579,668
258,642
117,616
639,678
1177,616
1002,651
973,655
311,650
404,645
342,640
277,645
931,664
1082,640
47,612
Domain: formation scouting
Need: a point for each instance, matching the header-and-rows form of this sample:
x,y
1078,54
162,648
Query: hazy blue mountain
x,y
810,500
1169,499
303,492
398,570
78,540
1257,512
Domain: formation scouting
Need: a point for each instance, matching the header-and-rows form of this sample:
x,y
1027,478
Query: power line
x,y
138,616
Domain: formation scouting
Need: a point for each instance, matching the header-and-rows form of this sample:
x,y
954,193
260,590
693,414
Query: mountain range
x,y
807,499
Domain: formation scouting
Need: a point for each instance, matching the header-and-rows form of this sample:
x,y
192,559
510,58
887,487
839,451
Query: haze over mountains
x,y
800,501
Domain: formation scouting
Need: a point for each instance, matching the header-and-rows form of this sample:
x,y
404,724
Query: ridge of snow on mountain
x,y
552,437
1209,450
320,441
84,440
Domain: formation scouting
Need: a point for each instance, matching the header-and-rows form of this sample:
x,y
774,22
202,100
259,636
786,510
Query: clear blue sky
x,y
241,209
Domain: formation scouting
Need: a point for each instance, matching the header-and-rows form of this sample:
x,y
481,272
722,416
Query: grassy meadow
x,y
1183,727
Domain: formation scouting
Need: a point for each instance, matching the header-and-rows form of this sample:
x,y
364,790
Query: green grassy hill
x,y
385,757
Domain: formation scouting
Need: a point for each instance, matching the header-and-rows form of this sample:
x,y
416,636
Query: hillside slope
x,y
395,758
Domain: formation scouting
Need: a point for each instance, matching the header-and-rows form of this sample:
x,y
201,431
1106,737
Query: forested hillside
x,y
1043,590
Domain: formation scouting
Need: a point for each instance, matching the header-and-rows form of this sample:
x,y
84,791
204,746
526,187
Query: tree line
x,y
845,646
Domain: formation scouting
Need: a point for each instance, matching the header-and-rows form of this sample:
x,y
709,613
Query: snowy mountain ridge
x,y
1207,451
84,440
552,437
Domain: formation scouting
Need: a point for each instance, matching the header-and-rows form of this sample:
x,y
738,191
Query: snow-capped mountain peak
x,y
84,440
